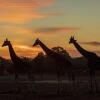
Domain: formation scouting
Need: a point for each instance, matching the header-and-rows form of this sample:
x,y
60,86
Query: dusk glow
x,y
53,21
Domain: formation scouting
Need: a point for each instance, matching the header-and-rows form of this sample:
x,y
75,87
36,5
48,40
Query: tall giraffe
x,y
93,62
20,66
62,64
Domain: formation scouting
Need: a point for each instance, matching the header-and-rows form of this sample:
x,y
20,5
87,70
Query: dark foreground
x,y
48,97
46,90
29,96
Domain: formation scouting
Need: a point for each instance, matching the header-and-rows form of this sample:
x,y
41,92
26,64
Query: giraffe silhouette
x,y
93,62
62,64
20,66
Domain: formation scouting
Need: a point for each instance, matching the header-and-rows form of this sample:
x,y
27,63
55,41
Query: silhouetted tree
x,y
61,51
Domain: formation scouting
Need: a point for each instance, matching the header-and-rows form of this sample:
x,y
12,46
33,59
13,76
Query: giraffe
x,y
20,66
61,63
93,62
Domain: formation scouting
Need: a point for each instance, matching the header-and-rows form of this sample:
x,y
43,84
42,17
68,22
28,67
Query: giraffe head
x,y
72,40
36,42
6,42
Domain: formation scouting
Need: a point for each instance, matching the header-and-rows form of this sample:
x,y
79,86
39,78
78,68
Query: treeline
x,y
43,64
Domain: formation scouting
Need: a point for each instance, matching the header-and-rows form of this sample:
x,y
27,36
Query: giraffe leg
x,y
91,81
32,84
61,84
96,84
17,88
42,76
76,80
58,84
71,80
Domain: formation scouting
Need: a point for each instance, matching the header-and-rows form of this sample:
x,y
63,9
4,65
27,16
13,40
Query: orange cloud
x,y
25,3
56,29
12,31
22,50
26,10
74,53
93,43
20,17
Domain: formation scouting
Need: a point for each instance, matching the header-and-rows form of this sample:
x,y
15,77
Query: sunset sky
x,y
53,21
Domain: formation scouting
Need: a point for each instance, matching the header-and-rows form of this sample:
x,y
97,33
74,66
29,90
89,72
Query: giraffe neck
x,y
45,48
84,52
13,55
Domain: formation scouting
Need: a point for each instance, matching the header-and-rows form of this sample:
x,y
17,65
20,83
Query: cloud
x,y
97,52
25,3
56,29
74,53
22,50
13,30
26,11
94,43
21,17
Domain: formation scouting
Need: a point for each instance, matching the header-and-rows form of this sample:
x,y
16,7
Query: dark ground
x,y
46,90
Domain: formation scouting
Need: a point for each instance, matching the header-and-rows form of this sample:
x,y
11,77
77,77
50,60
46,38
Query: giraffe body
x,y
63,65
93,61
20,66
